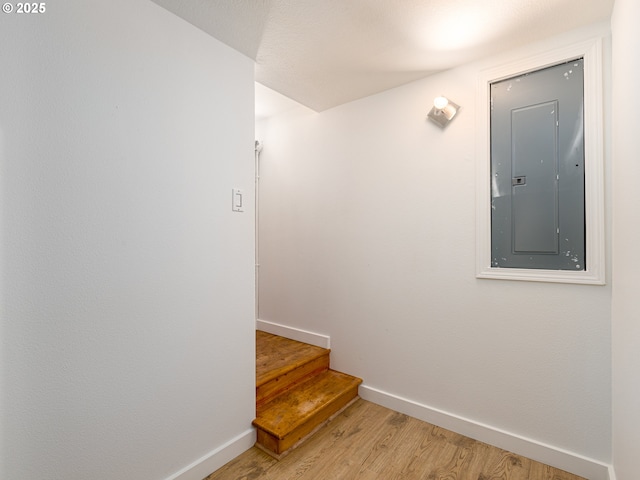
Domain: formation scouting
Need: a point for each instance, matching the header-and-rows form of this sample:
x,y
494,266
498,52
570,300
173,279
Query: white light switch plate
x,y
237,204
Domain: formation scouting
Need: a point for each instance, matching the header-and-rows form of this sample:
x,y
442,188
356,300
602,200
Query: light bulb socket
x,y
442,116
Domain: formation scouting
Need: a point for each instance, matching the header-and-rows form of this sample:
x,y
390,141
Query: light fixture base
x,y
442,116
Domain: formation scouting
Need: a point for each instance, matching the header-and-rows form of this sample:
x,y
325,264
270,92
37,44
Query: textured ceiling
x,y
323,53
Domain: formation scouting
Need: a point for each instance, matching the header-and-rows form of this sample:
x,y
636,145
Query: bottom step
x,y
284,421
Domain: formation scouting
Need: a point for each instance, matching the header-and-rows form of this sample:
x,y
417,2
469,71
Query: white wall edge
x,y
298,334
222,455
547,454
612,473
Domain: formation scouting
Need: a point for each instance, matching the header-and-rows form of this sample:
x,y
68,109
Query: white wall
x,y
367,234
626,236
127,282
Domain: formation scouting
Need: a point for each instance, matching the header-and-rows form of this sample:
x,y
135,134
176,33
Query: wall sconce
x,y
443,111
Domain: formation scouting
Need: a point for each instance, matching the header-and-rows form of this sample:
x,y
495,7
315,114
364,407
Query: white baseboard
x,y
217,458
297,334
612,473
548,454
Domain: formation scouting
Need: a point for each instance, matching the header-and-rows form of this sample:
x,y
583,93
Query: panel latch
x,y
515,181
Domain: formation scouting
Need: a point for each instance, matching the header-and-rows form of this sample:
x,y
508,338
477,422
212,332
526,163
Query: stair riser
x,y
283,383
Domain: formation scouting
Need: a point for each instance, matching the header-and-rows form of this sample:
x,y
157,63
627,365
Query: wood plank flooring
x,y
367,441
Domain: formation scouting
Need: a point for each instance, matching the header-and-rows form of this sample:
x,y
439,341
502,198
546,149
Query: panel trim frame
x,y
591,51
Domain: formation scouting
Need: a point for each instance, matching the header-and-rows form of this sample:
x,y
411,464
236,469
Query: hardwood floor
x,y
367,441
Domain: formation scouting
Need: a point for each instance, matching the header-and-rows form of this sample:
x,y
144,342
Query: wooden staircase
x,y
296,392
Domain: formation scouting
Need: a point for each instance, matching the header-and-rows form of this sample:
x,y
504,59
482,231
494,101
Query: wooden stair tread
x,y
277,356
296,392
298,406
